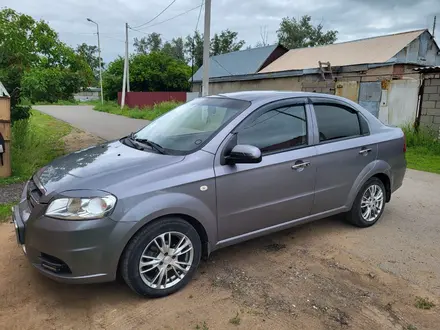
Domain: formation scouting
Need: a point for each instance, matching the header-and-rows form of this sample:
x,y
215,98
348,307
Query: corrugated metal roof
x,y
241,62
428,69
363,51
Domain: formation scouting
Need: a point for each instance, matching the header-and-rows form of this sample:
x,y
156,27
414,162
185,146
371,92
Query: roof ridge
x,y
245,50
367,38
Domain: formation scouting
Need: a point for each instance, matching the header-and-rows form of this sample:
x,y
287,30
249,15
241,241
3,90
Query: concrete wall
x,y
430,111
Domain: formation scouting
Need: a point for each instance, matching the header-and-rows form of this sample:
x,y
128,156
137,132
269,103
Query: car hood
x,y
99,167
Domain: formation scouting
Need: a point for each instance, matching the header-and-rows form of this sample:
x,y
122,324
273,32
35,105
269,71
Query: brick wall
x,y
430,112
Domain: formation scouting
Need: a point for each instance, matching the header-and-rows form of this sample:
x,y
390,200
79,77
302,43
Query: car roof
x,y
252,96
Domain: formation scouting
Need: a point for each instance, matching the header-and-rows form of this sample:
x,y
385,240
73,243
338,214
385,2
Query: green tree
x,y
222,43
299,34
225,42
151,72
90,55
151,43
175,49
194,48
112,78
31,54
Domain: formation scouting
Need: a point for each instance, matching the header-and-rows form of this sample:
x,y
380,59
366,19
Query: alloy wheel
x,y
372,203
166,260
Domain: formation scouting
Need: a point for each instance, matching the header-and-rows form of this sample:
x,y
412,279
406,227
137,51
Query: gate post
x,y
5,133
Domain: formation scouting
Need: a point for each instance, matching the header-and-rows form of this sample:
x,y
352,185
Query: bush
x,y
20,112
422,138
35,142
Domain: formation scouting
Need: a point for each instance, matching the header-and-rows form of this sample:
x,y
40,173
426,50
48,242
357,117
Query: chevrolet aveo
x,y
213,172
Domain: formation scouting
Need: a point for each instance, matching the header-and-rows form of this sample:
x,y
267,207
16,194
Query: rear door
x,y
344,149
252,197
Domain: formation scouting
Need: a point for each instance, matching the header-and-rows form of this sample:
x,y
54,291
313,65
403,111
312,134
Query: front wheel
x,y
161,258
368,205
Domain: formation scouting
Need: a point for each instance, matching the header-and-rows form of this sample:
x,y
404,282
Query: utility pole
x,y
206,44
126,56
433,26
99,56
124,79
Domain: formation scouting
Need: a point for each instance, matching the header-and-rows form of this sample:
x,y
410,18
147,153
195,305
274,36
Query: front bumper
x,y
70,251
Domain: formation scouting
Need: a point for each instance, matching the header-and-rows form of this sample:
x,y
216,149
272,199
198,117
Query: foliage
x,y
148,73
424,303
28,48
145,113
175,49
225,42
423,149
151,43
36,142
298,34
90,55
50,84
20,112
5,211
194,48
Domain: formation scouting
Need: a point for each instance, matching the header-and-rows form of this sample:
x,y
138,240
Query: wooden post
x,y
5,130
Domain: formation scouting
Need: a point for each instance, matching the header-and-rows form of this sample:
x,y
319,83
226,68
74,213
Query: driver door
x,y
255,197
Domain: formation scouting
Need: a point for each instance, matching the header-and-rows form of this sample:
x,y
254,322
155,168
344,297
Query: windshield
x,y
191,125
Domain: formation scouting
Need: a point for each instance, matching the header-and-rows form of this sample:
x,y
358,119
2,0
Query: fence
x,y
148,99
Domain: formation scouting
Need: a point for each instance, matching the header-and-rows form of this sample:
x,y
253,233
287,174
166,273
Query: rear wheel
x,y
369,204
161,258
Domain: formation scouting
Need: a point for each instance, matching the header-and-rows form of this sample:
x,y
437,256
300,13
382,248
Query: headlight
x,y
81,208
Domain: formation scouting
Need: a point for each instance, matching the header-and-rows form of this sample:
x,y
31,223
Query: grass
x,y
5,211
423,151
35,143
236,320
59,102
202,327
148,113
424,303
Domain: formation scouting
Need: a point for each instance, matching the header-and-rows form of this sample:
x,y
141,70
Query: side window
x,y
276,130
336,122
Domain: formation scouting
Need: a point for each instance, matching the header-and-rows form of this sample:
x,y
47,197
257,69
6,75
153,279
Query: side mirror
x,y
244,154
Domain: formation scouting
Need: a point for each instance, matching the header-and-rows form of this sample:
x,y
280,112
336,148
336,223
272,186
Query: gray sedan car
x,y
213,172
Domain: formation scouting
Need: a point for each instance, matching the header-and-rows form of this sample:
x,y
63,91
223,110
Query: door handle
x,y
300,166
364,151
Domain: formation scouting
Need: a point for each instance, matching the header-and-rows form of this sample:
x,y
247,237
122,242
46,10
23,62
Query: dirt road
x,y
324,275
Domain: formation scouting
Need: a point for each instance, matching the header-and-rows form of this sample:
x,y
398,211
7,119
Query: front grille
x,y
54,264
33,194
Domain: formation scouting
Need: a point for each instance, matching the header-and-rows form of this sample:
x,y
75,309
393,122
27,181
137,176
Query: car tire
x,y
371,198
157,245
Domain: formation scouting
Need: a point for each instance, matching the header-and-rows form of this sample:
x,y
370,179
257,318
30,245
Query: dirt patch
x,y
77,140
309,283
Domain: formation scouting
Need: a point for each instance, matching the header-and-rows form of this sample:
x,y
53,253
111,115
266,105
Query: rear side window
x,y
276,130
336,122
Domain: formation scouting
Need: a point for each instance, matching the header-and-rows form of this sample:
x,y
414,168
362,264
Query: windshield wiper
x,y
149,143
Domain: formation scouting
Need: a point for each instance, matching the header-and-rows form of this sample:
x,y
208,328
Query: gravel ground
x,y
11,193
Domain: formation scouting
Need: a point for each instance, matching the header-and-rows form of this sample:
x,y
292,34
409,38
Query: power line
x,y
151,20
222,66
200,14
169,19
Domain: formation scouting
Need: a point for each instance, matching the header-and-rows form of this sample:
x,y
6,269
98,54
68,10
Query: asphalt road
x,y
102,124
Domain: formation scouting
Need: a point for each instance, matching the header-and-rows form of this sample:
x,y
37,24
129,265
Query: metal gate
x,y
369,96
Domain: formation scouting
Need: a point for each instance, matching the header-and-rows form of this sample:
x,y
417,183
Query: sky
x,y
353,19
